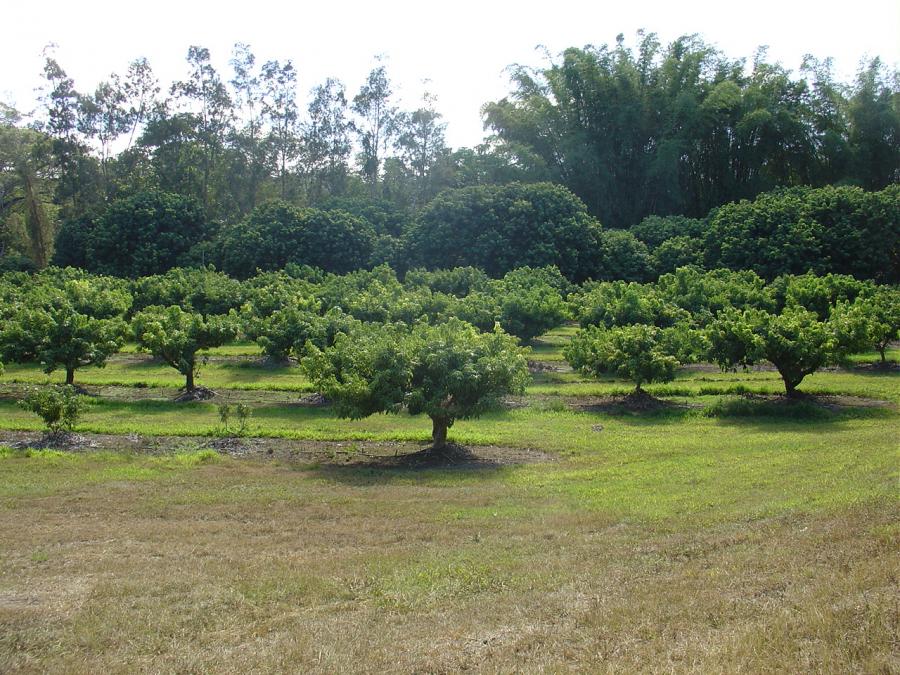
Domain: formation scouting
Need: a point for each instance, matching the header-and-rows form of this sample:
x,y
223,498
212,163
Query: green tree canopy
x,y
147,233
448,372
56,335
500,228
832,229
795,341
176,336
276,234
639,353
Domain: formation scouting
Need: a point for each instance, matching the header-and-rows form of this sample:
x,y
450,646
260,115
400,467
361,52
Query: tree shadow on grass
x,y
635,405
362,475
424,465
761,410
806,412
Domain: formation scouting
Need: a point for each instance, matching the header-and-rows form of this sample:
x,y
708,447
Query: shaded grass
x,y
884,386
542,426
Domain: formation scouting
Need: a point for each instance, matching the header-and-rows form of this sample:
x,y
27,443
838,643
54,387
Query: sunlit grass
x,y
143,371
237,348
33,472
716,534
890,354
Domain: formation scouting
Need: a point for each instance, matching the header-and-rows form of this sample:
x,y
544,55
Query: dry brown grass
x,y
243,566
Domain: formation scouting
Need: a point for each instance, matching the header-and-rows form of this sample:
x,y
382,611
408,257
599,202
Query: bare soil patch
x,y
548,367
13,390
314,400
878,367
635,403
835,403
376,454
196,394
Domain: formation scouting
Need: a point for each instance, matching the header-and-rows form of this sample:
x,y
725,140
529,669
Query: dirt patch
x,y
196,394
515,402
63,440
635,403
878,367
376,454
314,400
547,367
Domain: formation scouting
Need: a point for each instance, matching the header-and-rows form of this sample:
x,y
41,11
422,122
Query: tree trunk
x,y
790,385
37,223
189,380
438,433
70,376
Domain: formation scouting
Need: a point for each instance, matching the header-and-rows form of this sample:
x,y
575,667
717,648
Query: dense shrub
x,y
276,234
656,230
201,290
498,228
147,233
844,230
623,257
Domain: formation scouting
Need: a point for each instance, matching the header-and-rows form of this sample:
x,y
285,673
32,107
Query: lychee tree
x,y
449,372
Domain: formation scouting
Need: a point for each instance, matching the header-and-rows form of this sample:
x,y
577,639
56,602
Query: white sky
x,y
462,47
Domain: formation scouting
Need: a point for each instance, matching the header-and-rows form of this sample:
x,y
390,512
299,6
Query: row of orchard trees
x,y
445,342
431,344
733,319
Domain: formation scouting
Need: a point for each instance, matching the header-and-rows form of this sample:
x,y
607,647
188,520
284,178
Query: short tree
x,y
450,371
884,322
795,342
285,331
58,407
58,336
530,302
175,336
243,413
876,317
640,353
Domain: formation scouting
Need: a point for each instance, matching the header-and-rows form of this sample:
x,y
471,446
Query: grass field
x,y
718,533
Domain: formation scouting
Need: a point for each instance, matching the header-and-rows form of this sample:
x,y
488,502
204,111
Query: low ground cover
x,y
717,530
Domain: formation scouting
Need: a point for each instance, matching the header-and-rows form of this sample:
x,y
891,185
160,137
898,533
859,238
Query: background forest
x,y
611,162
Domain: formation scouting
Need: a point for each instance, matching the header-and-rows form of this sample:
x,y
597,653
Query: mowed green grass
x,y
722,545
241,372
239,367
236,348
689,383
724,534
648,466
